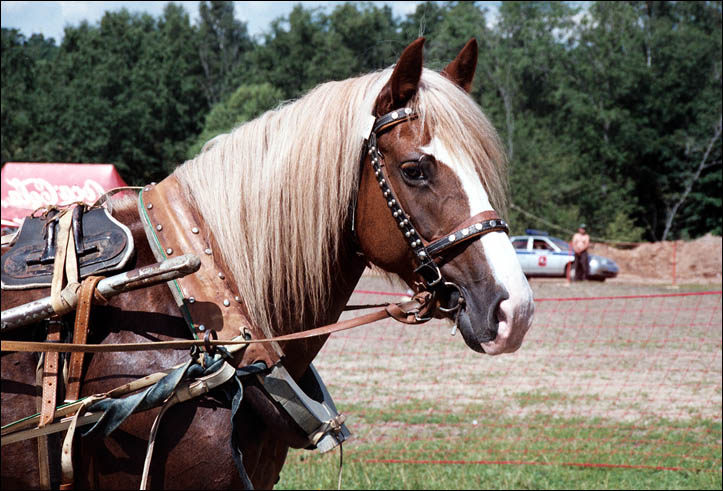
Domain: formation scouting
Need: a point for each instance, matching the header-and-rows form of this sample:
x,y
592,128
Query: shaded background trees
x,y
610,112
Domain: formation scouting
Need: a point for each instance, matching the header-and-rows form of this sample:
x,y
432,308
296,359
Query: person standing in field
x,y
580,244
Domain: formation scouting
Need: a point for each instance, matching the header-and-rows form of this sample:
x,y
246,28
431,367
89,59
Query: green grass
x,y
542,452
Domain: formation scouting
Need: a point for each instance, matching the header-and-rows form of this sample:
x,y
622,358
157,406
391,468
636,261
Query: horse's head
x,y
423,211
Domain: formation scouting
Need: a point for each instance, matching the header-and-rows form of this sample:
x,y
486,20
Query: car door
x,y
541,257
524,255
561,256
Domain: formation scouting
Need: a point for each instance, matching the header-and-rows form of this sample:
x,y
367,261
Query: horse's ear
x,y
461,69
404,82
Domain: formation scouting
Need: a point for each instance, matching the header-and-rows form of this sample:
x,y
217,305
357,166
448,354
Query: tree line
x,y
610,111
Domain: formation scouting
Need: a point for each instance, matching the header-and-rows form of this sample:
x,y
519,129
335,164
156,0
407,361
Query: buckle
x,y
428,271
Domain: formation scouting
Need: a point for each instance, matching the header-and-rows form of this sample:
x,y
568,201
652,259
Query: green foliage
x,y
608,110
22,100
309,47
247,102
126,91
223,42
622,228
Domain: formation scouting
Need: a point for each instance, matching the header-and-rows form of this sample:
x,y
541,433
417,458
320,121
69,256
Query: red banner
x,y
29,186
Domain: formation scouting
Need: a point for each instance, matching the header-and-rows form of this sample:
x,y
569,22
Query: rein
x,y
410,312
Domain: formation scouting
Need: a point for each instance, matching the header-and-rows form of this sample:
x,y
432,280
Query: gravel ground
x,y
627,359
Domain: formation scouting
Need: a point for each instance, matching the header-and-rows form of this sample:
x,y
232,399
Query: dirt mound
x,y
697,260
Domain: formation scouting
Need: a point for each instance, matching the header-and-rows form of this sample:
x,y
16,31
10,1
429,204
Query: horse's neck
x,y
346,272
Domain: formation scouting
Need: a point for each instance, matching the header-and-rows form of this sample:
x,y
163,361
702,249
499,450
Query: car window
x,y
560,243
519,243
541,244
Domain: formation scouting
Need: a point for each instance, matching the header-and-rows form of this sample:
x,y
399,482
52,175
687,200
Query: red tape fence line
x,y
593,382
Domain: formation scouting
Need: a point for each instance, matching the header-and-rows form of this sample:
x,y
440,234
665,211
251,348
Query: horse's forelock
x,y
276,191
454,118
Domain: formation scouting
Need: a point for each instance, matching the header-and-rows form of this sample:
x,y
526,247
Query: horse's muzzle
x,y
478,319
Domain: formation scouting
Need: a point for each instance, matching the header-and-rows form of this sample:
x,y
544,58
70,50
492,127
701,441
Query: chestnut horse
x,y
297,218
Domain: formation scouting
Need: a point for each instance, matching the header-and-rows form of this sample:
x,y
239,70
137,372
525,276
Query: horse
x,y
295,205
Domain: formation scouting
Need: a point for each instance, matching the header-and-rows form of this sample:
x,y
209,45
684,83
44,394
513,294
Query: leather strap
x,y
50,376
80,335
471,229
407,311
43,454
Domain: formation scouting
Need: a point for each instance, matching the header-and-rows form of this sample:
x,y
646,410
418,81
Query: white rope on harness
x,y
12,432
66,456
185,391
152,441
65,265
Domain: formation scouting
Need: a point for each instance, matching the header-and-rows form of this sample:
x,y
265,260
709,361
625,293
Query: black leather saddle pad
x,y
104,245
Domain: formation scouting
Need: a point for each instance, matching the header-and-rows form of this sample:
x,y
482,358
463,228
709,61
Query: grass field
x,y
604,394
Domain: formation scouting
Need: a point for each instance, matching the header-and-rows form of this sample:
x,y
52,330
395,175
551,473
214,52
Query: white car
x,y
542,255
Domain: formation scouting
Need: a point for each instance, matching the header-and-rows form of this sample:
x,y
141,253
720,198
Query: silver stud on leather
x,y
478,226
237,298
226,303
422,255
169,251
407,234
465,231
149,206
159,227
201,327
194,230
407,111
220,275
191,300
207,251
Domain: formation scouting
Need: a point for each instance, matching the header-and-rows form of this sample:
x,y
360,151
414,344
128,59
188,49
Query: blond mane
x,y
276,191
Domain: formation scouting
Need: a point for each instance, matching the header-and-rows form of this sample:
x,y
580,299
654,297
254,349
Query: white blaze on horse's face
x,y
515,313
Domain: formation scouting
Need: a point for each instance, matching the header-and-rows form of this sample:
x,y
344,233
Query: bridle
x,y
425,252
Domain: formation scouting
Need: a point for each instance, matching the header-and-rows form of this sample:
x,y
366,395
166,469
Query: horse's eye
x,y
413,171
